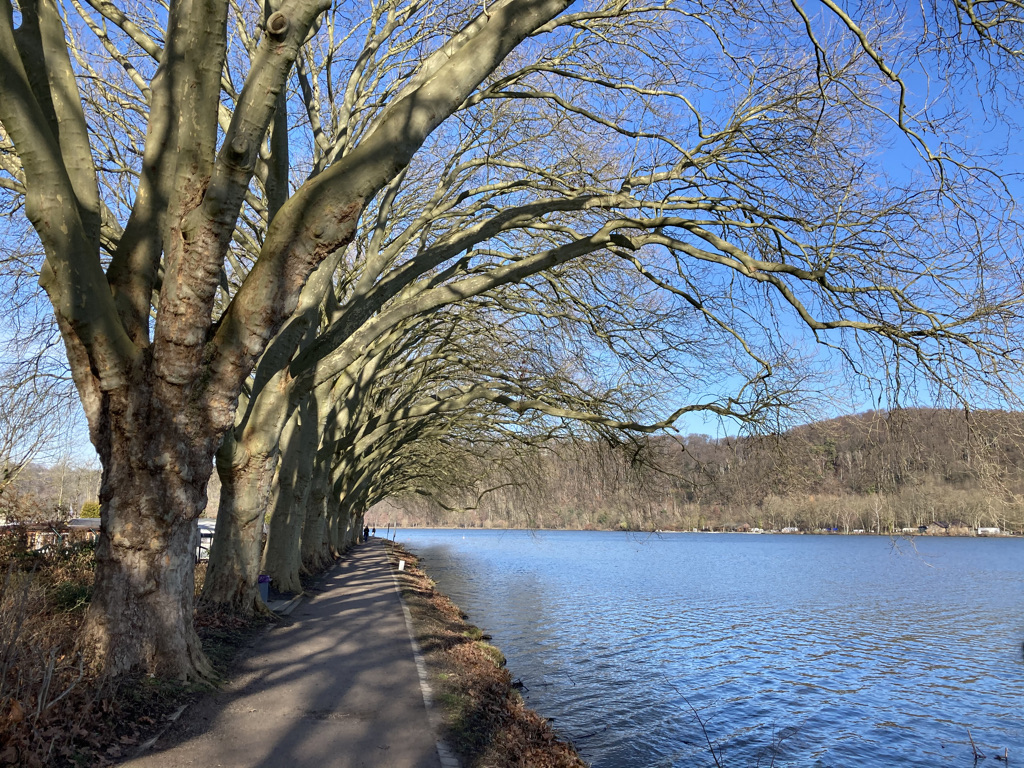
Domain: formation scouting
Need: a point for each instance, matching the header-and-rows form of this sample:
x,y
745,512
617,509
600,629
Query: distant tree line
x,y
337,253
874,472
52,493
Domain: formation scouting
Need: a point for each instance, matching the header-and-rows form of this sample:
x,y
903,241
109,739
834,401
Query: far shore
x,y
885,534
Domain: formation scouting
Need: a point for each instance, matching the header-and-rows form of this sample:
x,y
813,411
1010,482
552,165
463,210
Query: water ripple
x,y
806,651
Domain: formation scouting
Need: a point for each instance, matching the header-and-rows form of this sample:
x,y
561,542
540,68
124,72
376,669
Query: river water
x,y
802,650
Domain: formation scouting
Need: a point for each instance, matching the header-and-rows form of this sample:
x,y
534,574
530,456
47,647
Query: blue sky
x,y
980,130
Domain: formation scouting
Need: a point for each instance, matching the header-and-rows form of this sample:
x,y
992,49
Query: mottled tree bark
x,y
231,576
152,491
316,504
281,556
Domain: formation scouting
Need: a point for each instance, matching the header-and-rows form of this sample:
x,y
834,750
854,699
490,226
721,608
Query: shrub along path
x,y
336,687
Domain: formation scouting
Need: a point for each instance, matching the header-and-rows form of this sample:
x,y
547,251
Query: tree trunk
x,y
317,501
231,577
155,472
248,459
335,528
281,559
303,456
317,552
315,546
345,514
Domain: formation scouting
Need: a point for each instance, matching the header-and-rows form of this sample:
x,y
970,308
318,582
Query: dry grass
x,y
45,692
54,710
487,723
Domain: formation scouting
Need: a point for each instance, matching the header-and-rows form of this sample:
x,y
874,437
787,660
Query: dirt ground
x,y
486,722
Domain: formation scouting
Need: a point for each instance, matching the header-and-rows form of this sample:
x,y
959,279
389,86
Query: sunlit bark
x,y
654,226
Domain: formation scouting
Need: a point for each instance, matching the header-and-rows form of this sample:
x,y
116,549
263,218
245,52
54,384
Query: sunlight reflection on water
x,y
819,650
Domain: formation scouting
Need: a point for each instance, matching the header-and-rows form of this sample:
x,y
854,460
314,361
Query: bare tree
x,y
236,150
39,404
36,417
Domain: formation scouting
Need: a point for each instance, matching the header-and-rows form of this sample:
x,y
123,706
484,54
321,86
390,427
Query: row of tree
x,y
351,250
876,472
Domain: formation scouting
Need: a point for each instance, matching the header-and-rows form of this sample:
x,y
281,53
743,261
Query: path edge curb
x,y
444,752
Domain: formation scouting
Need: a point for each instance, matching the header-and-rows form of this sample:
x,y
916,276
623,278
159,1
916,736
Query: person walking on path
x,y
336,688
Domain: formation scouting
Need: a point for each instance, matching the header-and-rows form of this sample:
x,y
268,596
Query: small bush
x,y
70,596
90,509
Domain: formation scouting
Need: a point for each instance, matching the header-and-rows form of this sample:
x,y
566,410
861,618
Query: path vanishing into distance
x,y
336,686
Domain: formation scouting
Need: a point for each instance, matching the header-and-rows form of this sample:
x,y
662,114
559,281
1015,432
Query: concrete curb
x,y
285,607
444,753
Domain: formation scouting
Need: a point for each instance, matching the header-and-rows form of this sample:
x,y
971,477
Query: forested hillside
x,y
875,471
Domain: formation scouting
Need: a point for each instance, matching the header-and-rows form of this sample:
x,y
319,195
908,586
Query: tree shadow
x,y
335,685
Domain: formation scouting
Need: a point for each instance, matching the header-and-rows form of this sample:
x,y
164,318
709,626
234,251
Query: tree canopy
x,y
262,218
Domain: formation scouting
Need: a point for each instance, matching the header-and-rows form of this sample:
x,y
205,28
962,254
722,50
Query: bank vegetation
x,y
877,472
486,722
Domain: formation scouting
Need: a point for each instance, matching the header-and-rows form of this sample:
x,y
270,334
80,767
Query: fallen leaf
x,y
17,713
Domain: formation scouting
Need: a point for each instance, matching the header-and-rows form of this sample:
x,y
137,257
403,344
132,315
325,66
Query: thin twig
x,y
704,730
977,754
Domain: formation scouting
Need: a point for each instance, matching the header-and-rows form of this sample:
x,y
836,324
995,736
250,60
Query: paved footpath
x,y
335,688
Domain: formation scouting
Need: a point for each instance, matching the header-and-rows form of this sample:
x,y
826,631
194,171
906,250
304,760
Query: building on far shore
x,y
954,528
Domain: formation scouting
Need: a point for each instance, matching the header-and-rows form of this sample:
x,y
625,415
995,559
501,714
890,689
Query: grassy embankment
x,y
485,720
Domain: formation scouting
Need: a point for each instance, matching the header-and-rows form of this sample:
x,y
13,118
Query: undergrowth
x,y
55,710
45,696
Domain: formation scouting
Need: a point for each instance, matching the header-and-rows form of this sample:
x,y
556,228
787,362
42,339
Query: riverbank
x,y
484,719
902,534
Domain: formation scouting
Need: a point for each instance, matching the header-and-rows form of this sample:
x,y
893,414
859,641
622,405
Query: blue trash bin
x,y
264,584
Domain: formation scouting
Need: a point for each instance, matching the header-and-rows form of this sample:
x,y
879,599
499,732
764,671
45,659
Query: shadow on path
x,y
337,687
